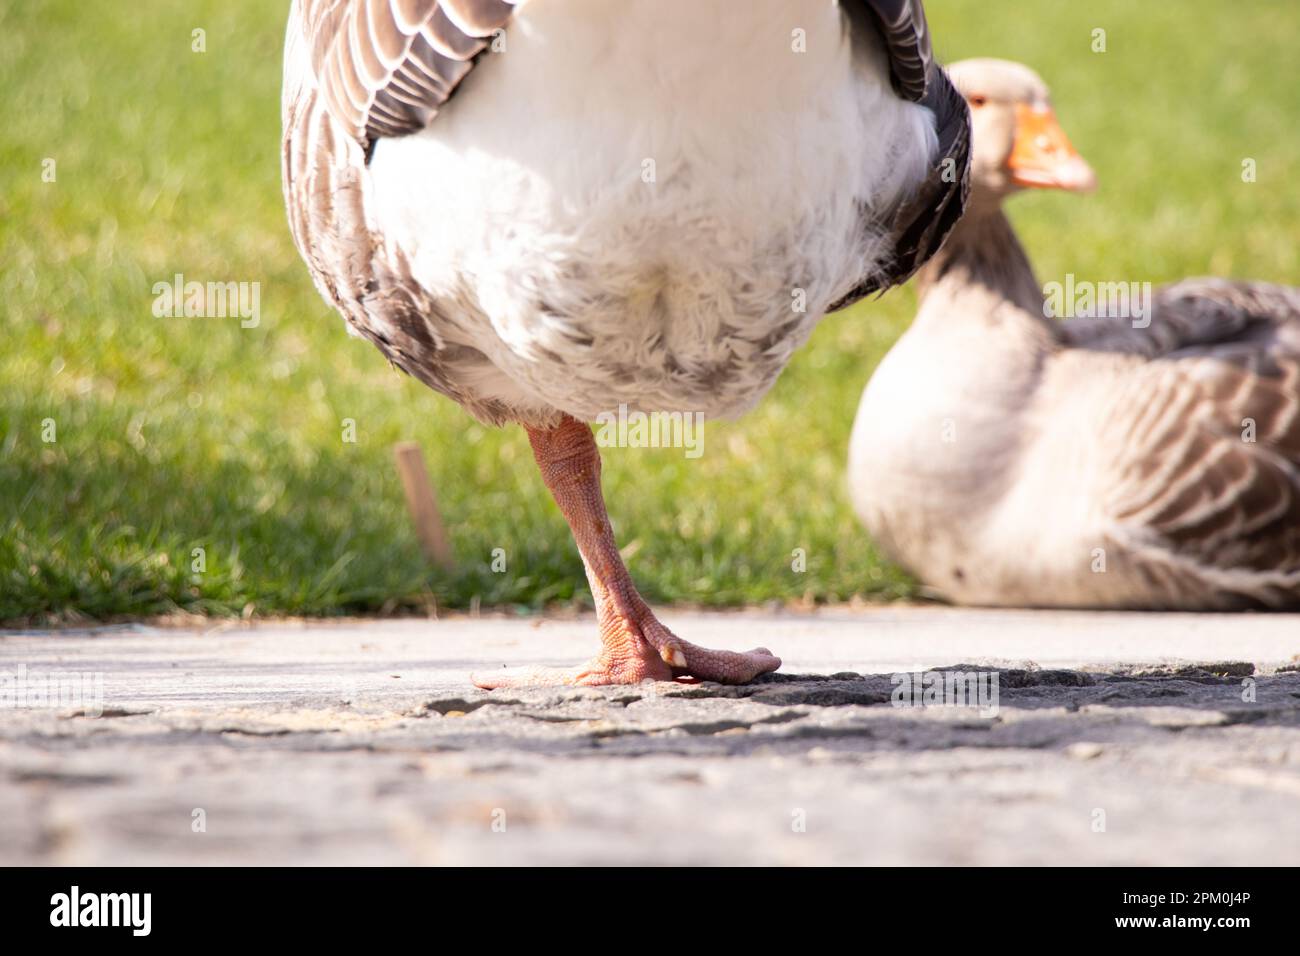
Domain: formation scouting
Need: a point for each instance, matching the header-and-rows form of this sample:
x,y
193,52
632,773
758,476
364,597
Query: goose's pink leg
x,y
634,645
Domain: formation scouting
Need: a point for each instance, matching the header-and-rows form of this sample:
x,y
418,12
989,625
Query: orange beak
x,y
1042,156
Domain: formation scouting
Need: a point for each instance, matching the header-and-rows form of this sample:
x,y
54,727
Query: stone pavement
x,y
1113,739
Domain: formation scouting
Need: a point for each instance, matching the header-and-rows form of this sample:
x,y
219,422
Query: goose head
x,y
1017,142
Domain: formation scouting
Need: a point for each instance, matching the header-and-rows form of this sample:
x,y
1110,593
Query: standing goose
x,y
1009,459
546,210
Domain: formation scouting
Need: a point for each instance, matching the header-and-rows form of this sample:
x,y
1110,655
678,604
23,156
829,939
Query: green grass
x,y
175,434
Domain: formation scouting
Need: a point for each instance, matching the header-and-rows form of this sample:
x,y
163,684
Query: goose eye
x,y
978,101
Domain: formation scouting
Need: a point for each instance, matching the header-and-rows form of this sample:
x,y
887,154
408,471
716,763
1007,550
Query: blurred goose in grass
x,y
1010,459
551,209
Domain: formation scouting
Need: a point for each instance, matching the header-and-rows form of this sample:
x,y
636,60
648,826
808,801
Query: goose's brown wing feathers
x,y
1211,477
385,67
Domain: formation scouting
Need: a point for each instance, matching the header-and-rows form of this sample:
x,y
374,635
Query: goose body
x,y
553,209
1011,459
641,204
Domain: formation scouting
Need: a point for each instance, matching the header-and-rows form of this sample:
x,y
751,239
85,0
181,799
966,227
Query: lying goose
x,y
552,209
1009,459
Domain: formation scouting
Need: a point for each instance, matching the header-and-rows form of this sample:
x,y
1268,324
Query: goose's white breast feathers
x,y
609,228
